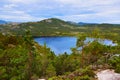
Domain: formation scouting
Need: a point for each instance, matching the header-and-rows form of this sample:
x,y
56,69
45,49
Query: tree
x,y
50,70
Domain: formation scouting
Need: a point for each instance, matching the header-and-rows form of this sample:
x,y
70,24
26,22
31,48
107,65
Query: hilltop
x,y
53,27
47,27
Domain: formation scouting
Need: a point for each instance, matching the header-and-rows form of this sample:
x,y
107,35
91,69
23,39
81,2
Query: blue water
x,y
102,41
58,44
63,44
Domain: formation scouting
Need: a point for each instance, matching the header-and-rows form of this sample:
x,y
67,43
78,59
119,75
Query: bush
x,y
86,77
115,63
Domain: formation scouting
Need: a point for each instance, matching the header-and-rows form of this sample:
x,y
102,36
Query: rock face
x,y
108,75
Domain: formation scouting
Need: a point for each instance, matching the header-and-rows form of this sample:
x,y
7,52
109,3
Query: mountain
x,y
47,27
3,22
55,27
71,22
83,23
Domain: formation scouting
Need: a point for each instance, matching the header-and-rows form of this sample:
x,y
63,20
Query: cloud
x,y
73,10
9,6
92,10
24,1
19,17
87,2
16,10
9,13
110,16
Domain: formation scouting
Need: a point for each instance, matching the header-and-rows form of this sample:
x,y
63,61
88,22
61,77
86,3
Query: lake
x,y
58,44
63,44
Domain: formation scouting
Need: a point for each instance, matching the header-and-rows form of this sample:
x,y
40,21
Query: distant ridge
x,y
52,27
3,22
83,23
46,27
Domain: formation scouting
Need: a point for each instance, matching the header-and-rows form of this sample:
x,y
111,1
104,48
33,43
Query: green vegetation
x,y
23,59
92,57
55,27
48,27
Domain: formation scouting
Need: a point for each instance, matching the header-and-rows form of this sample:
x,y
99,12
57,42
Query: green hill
x,y
54,27
47,27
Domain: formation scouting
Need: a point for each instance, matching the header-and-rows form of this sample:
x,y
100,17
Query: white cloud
x,y
11,14
25,1
93,10
73,10
18,1
98,17
20,18
9,6
11,11
87,2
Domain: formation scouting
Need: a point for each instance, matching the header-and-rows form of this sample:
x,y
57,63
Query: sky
x,y
91,11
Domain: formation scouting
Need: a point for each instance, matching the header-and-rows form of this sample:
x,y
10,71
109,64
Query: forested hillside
x,y
55,27
23,59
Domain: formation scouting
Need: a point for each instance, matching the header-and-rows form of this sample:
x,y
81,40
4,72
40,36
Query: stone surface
x,y
108,75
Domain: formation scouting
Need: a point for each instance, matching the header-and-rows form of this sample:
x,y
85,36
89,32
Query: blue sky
x,y
92,11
